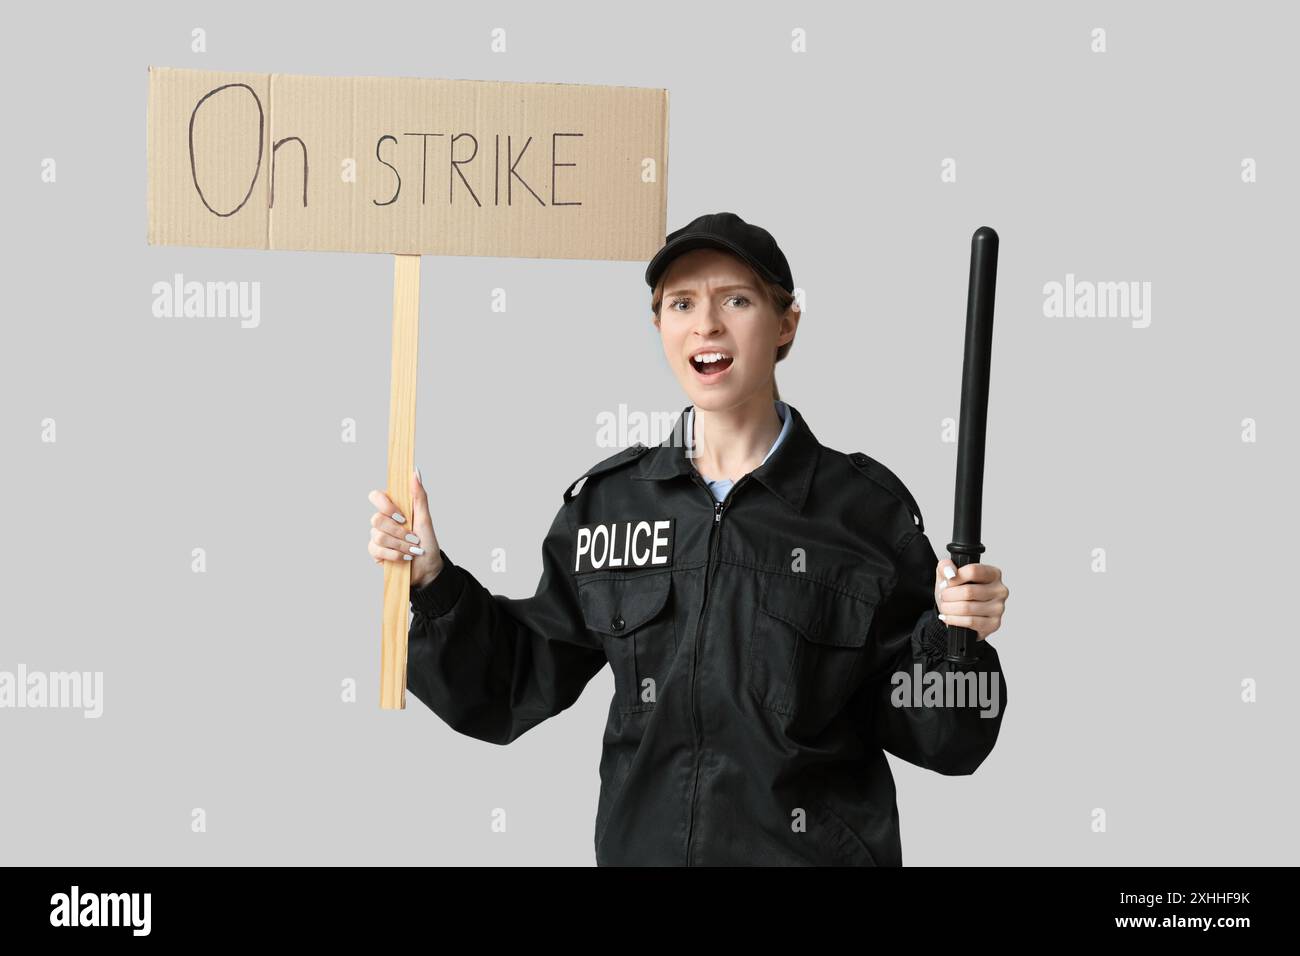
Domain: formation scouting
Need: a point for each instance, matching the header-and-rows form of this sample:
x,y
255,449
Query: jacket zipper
x,y
714,533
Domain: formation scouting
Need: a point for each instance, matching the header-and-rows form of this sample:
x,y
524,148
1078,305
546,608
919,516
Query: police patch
x,y
622,545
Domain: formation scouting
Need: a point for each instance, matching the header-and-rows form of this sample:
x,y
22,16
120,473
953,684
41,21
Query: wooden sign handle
x,y
401,465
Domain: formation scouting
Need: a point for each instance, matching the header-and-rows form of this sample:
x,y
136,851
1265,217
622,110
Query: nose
x,y
707,319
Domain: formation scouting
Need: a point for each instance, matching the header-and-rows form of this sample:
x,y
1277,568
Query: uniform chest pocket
x,y
634,617
806,649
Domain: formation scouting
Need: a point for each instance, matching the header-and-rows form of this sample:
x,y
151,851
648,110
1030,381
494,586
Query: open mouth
x,y
710,365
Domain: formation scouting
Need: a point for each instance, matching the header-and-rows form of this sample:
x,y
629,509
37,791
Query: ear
x,y
789,324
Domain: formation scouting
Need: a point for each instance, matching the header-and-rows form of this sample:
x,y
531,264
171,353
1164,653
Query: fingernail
x,y
397,516
948,572
406,557
415,550
414,539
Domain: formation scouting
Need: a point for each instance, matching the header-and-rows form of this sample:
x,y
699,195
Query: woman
x,y
773,613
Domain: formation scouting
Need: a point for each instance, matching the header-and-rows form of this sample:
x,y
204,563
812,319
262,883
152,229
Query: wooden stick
x,y
401,464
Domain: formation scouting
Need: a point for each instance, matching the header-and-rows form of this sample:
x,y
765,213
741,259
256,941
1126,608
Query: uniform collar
x,y
787,473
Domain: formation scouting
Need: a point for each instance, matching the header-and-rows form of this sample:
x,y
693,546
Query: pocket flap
x,y
618,604
820,614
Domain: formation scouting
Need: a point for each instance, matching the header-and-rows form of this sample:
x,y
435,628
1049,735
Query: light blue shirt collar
x,y
721,486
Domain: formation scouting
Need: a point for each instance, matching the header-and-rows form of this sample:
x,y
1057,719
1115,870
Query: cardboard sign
x,y
406,166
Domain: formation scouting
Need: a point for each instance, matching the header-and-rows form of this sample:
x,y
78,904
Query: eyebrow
x,y
723,288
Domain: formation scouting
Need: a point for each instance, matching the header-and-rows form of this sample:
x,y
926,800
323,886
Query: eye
x,y
742,298
675,302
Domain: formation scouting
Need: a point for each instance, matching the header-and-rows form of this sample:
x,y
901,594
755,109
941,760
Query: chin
x,y
715,400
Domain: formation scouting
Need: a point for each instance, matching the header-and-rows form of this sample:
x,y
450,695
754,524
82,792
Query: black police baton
x,y
965,547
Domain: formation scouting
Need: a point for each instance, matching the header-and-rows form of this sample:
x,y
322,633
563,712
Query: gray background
x,y
222,690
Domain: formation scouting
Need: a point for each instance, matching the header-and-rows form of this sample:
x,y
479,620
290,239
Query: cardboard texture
x,y
441,167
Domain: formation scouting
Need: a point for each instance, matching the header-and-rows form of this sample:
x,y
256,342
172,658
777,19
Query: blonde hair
x,y
776,295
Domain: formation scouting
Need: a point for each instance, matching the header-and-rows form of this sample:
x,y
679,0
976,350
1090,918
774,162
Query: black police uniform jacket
x,y
752,643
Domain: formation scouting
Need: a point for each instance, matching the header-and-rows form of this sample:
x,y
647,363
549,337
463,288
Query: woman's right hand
x,y
391,540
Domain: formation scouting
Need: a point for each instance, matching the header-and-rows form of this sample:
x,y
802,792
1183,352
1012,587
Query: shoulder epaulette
x,y
617,460
890,482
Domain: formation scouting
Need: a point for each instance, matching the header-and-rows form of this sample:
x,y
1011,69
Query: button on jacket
x,y
752,643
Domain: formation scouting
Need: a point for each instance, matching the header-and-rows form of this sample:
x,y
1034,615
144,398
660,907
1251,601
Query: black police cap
x,y
726,231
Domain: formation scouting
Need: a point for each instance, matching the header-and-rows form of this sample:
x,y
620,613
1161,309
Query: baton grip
x,y
962,641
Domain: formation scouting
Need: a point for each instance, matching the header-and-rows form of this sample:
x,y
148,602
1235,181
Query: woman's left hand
x,y
973,597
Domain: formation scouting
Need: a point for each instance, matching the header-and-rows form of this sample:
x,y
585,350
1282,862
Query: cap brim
x,y
682,244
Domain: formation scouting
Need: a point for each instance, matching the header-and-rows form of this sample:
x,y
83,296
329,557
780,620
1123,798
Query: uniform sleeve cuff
x,y
933,636
441,594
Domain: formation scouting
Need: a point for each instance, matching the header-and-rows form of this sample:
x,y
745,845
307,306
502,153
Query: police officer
x,y
773,612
